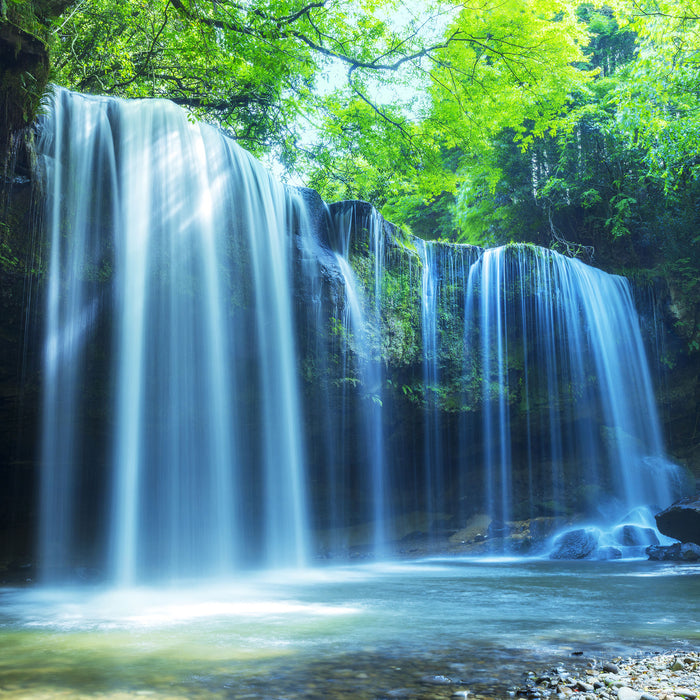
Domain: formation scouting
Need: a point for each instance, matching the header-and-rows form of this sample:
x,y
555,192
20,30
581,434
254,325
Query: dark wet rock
x,y
659,552
681,520
688,551
610,667
609,553
635,536
575,544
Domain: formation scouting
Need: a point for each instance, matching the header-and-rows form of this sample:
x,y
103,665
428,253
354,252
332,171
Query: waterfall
x,y
362,319
445,270
184,239
561,354
227,385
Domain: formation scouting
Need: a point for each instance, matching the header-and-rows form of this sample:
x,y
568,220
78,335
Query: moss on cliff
x,y
24,63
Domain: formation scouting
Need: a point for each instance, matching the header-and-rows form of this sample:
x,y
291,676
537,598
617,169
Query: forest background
x,y
489,121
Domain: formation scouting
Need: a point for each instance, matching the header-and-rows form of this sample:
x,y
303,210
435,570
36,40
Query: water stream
x,y
349,632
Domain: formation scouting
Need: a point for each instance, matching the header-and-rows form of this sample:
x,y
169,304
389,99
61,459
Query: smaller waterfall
x,y
565,375
445,269
363,319
431,370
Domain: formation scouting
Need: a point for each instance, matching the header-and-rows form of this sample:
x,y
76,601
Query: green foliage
x,y
484,122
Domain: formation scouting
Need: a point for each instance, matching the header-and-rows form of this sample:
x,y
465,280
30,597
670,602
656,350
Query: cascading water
x,y
431,372
363,319
227,387
563,369
445,270
184,240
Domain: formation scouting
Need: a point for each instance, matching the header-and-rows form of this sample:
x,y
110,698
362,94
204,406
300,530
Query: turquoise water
x,y
341,632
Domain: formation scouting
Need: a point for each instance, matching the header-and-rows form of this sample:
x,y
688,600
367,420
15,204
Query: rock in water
x,y
609,553
681,520
436,680
658,552
690,551
634,536
575,544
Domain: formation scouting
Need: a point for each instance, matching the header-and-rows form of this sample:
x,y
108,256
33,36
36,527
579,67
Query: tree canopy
x,y
332,77
483,120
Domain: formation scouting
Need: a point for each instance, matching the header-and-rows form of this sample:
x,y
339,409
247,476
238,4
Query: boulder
x,y
657,552
575,544
609,553
681,520
635,536
689,551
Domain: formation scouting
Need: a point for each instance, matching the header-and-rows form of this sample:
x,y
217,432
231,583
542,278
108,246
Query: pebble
x,y
436,680
660,677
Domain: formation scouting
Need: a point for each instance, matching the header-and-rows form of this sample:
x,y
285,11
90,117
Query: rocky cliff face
x,y
671,336
19,373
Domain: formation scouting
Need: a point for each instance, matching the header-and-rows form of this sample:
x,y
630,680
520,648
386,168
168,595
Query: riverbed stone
x,y
662,677
575,544
625,693
436,680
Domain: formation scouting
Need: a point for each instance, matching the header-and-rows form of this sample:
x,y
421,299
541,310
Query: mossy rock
x,y
24,62
24,58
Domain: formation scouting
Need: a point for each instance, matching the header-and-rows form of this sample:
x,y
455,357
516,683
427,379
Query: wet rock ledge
x,y
672,676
